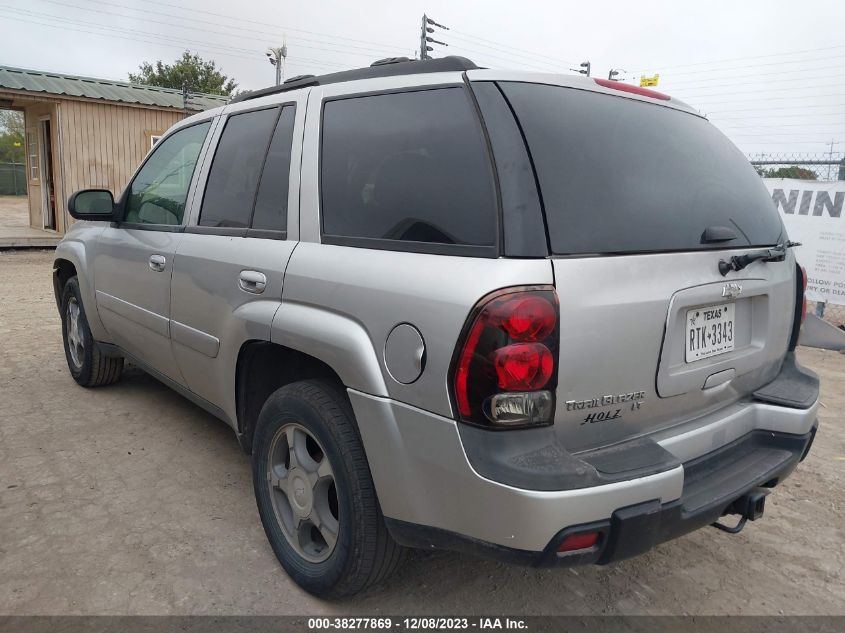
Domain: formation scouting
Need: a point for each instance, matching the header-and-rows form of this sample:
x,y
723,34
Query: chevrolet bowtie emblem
x,y
731,290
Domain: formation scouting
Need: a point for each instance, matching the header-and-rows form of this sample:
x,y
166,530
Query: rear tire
x,y
85,360
309,469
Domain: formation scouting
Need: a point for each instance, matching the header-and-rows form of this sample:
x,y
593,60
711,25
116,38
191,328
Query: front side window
x,y
409,166
160,190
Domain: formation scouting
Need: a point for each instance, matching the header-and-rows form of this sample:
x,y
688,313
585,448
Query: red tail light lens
x,y
623,87
804,294
523,366
505,367
800,312
529,318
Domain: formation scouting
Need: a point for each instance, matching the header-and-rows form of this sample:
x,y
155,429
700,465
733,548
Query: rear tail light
x,y
505,367
800,305
803,292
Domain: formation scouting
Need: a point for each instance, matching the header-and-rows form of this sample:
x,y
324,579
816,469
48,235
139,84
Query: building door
x,y
48,193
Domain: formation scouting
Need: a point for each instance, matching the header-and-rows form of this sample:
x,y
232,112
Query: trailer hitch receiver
x,y
749,507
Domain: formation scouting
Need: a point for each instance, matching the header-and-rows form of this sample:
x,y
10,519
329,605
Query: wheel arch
x,y
262,368
71,259
63,269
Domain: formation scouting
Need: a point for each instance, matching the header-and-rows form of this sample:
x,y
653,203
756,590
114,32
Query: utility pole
x,y
425,39
585,68
277,57
185,96
830,158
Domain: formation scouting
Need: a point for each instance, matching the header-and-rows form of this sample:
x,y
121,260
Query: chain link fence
x,y
806,166
12,179
801,165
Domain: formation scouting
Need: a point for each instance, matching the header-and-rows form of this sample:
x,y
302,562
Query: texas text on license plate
x,y
710,331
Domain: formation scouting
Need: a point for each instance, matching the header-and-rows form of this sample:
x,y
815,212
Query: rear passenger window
x,y
408,166
233,179
271,203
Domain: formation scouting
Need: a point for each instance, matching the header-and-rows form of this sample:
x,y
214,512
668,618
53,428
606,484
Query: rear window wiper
x,y
738,262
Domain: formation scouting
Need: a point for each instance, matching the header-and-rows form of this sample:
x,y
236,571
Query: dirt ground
x,y
14,225
131,500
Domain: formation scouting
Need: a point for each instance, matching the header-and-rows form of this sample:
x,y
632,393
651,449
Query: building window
x,y
32,149
154,138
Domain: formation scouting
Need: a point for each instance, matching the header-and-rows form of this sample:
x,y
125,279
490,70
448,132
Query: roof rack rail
x,y
389,60
297,78
389,67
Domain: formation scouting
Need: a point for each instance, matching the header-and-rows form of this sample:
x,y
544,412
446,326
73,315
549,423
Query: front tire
x,y
315,493
86,362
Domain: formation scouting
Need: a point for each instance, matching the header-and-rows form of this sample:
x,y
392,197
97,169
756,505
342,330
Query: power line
x,y
801,71
510,49
776,126
822,135
226,34
780,116
784,142
739,59
803,107
119,37
767,98
781,62
212,48
514,52
387,47
508,60
759,91
156,35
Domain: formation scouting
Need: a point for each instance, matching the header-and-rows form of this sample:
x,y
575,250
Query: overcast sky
x,y
770,74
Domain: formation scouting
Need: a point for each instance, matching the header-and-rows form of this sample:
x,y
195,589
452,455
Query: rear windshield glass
x,y
618,175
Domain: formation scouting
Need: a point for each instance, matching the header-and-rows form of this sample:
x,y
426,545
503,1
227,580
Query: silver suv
x,y
542,318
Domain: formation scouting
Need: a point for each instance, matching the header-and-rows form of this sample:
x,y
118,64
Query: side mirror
x,y
92,204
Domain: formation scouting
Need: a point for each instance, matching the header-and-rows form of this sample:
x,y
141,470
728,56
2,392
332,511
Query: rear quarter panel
x,y
357,296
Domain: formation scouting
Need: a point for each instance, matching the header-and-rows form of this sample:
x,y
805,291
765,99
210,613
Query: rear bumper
x,y
436,493
712,484
423,477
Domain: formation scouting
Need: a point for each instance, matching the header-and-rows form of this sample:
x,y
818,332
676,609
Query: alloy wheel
x,y
303,492
75,341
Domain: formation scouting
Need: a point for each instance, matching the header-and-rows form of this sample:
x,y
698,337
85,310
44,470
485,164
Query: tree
x,y
11,136
793,171
190,69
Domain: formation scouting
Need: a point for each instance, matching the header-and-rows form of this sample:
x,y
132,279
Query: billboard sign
x,y
812,213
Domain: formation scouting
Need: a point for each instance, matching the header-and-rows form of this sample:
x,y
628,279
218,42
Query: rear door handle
x,y
252,281
157,263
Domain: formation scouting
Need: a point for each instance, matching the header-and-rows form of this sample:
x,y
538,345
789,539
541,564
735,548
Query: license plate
x,y
710,331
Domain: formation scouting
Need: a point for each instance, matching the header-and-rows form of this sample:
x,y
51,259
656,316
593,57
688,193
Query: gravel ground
x,y
131,500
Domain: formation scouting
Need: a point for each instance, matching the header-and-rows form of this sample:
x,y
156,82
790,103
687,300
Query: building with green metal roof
x,y
83,132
